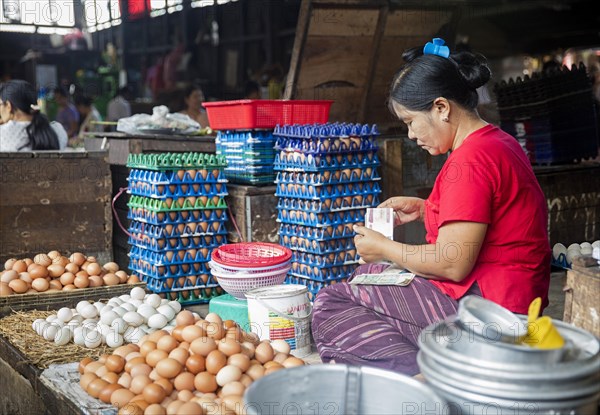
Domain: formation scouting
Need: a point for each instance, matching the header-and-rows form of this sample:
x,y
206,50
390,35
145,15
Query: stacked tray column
x,y
249,155
326,178
178,212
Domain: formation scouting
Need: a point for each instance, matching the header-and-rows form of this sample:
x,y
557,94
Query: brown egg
x,y
71,267
111,279
125,380
168,368
5,290
42,259
233,388
154,393
167,343
138,384
256,372
184,395
229,347
8,276
101,371
77,258
93,268
37,271
166,385
293,361
215,331
55,285
9,263
19,266
240,360
69,287
122,275
67,278
54,254
184,381
195,364
157,335
228,374
202,345
215,361
155,409
112,267
193,333
115,363
133,279
81,281
235,333
56,270
132,362
85,379
191,408
180,354
173,407
111,378
184,318
147,347
18,286
40,285
205,382
83,363
155,356
106,393
95,281
131,409
95,387
121,397
141,369
24,276
264,353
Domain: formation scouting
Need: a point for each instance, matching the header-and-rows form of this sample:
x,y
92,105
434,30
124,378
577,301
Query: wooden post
x,y
301,30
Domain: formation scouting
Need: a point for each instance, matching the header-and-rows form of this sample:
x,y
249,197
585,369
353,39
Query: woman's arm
x,y
406,209
452,257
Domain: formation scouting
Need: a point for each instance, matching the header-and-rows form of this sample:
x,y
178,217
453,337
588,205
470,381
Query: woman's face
x,y
425,128
195,99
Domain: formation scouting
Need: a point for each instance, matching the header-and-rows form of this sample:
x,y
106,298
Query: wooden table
x,y
582,294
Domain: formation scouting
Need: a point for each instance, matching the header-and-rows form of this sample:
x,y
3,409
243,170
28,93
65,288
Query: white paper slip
x,y
381,220
390,276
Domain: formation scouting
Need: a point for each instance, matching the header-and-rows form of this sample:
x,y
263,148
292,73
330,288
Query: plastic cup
x,y
542,334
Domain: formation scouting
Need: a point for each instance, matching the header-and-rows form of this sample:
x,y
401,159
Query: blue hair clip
x,y
436,48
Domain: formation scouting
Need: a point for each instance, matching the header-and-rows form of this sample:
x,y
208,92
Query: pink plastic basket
x,y
249,114
251,255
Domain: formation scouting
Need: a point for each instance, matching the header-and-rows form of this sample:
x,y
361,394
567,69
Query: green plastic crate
x,y
230,308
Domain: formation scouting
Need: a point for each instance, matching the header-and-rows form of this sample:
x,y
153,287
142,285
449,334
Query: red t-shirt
x,y
489,179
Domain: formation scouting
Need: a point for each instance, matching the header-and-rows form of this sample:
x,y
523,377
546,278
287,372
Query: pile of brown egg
x,y
202,367
55,272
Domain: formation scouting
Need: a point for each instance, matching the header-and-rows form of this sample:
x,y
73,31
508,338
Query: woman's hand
x,y
406,209
370,244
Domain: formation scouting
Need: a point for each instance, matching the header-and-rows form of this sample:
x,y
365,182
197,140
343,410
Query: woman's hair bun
x,y
411,54
473,68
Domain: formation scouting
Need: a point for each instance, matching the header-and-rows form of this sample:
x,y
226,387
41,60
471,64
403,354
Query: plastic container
x,y
252,114
238,283
251,255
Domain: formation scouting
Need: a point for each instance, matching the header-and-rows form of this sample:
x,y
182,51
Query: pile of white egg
x,y
123,319
573,250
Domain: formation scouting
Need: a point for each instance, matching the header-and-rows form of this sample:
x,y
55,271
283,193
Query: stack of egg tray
x,y
326,178
249,155
177,214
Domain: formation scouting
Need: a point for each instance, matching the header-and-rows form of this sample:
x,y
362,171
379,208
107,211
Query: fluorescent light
x,y
45,30
17,28
202,3
156,13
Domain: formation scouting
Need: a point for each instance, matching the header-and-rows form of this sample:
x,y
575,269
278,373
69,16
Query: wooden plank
x,y
163,146
50,172
326,21
351,3
390,154
416,22
31,194
375,47
295,61
346,105
60,216
584,306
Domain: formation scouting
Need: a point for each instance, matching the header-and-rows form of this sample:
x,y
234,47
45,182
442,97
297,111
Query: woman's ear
x,y
441,108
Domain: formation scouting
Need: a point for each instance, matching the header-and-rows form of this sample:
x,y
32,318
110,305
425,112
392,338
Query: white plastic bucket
x,y
282,312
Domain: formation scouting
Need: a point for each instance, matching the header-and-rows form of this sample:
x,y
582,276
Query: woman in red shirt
x,y
486,223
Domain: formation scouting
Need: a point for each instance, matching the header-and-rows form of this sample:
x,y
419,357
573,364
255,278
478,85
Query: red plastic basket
x,y
251,254
263,113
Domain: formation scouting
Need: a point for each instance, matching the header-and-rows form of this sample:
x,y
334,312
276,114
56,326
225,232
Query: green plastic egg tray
x,y
169,161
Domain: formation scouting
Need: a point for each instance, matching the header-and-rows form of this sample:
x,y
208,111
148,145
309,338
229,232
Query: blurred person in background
x,y
89,115
119,106
252,90
67,114
22,126
192,105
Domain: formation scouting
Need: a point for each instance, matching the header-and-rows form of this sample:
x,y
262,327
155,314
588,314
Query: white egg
x,y
89,322
80,305
146,311
107,318
72,324
574,246
137,293
167,311
92,339
62,337
58,323
51,318
135,303
116,301
114,339
50,331
133,319
119,325
109,307
37,324
103,329
558,249
146,329
99,306
89,311
163,302
571,254
64,314
128,306
133,334
281,346
596,244
153,300
157,321
586,248
77,317
120,311
78,337
175,305
124,298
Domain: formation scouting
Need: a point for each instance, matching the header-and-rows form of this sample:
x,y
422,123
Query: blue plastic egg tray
x,y
313,286
161,191
248,168
364,192
328,177
337,145
314,246
317,273
336,129
179,230
342,230
177,243
161,271
333,204
172,257
301,217
326,260
180,203
177,177
295,161
255,179
225,137
192,218
174,284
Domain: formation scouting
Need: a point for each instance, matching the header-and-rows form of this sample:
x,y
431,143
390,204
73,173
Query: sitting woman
x,y
193,97
22,126
90,118
486,223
